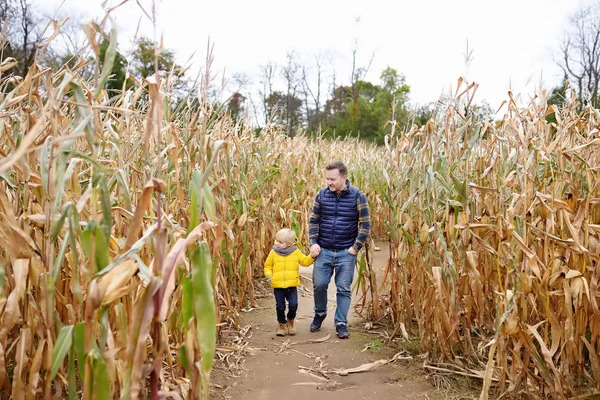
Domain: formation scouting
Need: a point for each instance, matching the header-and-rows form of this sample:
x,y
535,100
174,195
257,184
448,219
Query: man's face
x,y
335,181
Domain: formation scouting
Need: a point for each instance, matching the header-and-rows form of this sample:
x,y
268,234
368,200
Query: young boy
x,y
282,271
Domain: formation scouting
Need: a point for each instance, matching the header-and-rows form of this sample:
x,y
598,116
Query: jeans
x,y
281,295
326,263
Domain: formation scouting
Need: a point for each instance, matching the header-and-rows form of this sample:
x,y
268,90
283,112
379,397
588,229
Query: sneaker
x,y
281,330
342,331
317,321
290,327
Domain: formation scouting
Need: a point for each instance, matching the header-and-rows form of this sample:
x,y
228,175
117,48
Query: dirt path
x,y
273,372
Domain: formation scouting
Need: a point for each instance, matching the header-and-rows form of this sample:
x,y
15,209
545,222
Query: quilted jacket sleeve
x,y
306,261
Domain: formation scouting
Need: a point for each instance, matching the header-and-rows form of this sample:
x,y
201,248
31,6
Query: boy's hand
x,y
352,251
269,279
315,250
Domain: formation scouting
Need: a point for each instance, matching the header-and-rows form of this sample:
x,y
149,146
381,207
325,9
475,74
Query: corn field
x,y
494,230
132,232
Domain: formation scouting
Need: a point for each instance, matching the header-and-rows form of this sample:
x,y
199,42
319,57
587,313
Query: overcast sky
x,y
512,40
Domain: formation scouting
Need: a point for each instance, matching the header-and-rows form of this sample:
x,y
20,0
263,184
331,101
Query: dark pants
x,y
281,295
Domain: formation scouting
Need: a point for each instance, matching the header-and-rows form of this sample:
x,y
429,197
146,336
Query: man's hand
x,y
315,250
352,251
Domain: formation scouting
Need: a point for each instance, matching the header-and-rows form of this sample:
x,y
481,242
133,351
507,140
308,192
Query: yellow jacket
x,y
284,269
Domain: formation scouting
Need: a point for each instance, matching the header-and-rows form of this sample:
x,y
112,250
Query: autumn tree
x,y
580,54
21,33
312,89
268,73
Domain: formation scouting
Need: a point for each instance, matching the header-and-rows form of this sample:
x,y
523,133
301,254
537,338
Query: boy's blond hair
x,y
286,235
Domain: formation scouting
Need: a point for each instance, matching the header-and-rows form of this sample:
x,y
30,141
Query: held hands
x,y
315,250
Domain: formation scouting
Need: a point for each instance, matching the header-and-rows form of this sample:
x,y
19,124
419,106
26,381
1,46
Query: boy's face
x,y
335,181
282,244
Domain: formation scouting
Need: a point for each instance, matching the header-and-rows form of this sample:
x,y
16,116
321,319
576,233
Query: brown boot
x,y
290,326
281,330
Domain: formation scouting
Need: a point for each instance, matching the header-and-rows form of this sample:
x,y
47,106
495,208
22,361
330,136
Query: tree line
x,y
297,95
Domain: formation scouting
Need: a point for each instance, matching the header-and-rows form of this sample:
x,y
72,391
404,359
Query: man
x,y
339,227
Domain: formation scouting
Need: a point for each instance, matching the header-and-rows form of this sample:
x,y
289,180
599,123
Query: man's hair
x,y
339,166
286,235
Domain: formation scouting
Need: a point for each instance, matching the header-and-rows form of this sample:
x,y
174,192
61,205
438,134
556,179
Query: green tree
x,y
558,97
348,114
116,82
143,59
393,98
364,108
236,107
422,114
285,110
393,85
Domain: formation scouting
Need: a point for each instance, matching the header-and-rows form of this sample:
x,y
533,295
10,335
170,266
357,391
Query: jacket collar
x,y
346,189
285,252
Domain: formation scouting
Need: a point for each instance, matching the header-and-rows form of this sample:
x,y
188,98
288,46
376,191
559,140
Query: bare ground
x,y
272,369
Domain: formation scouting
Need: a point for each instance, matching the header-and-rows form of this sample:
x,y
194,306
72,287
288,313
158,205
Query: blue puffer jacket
x,y
338,227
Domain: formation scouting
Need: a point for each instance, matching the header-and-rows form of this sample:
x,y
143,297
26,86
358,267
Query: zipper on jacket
x,y
335,215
